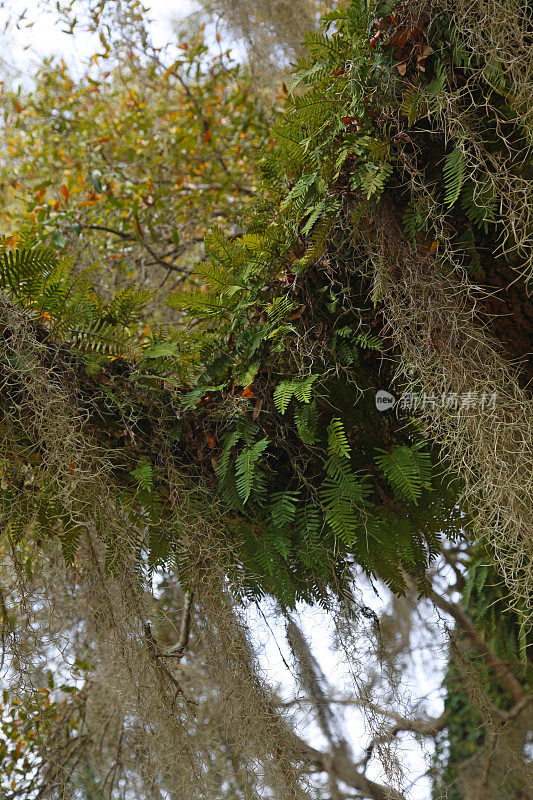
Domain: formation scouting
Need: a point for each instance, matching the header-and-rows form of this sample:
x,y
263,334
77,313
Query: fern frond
x,y
407,469
230,440
219,246
283,507
306,424
279,309
371,179
368,341
337,441
143,474
282,396
479,203
200,303
281,542
245,468
413,104
301,388
23,271
300,189
216,276
103,338
342,495
454,175
126,305
318,240
415,217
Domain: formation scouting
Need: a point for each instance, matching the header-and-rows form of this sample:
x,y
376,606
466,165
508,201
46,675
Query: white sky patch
x,y
421,682
42,35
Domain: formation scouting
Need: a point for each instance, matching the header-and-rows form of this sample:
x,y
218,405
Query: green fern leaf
x,y
303,388
340,512
454,175
200,303
230,440
23,271
479,203
281,542
245,468
283,507
337,441
282,395
306,424
368,342
407,470
143,474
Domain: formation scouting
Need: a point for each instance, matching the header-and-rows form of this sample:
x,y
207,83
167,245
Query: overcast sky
x,y
23,46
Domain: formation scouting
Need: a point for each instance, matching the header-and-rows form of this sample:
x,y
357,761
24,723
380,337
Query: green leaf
x,y
245,468
59,239
283,507
454,175
161,350
306,424
301,388
143,474
94,178
407,470
337,441
191,399
282,395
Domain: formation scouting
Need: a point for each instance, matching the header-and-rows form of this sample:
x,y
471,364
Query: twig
x,y
345,770
128,236
155,654
178,650
499,667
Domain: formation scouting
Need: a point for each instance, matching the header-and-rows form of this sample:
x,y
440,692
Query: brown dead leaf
x,y
399,39
257,408
421,59
298,313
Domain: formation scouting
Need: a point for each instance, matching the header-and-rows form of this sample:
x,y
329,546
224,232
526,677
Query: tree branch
x,y
346,771
425,727
416,725
178,650
501,670
128,236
